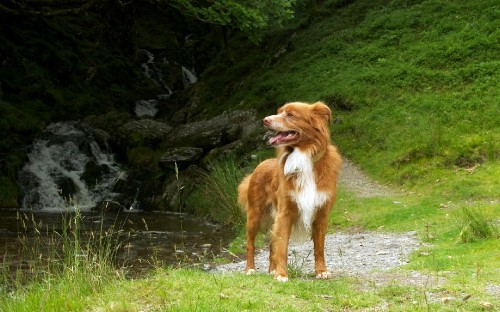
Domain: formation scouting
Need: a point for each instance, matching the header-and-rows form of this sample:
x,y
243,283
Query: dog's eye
x,y
289,115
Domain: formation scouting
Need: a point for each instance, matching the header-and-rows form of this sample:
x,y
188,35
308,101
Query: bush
x,y
217,196
476,226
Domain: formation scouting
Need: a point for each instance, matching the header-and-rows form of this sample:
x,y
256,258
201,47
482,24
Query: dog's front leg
x,y
319,228
279,241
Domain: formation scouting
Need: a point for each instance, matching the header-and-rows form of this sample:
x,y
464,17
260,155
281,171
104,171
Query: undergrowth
x,y
60,266
216,197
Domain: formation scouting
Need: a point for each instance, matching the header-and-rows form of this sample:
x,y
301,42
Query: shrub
x,y
476,226
217,195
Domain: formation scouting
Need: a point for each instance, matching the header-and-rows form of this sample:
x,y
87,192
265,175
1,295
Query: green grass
x,y
60,267
216,197
413,86
415,97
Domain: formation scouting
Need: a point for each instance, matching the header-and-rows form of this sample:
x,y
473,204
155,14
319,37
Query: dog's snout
x,y
267,120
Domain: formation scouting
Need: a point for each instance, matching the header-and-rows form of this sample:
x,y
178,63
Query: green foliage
x,y
62,268
8,193
250,17
217,195
475,226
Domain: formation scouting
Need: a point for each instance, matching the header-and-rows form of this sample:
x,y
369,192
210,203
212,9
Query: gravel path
x,y
357,182
346,253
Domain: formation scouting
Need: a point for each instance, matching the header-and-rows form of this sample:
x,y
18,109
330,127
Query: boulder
x,y
144,129
177,189
181,156
223,151
211,133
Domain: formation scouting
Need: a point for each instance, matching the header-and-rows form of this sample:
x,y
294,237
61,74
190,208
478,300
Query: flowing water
x,y
143,240
69,171
152,69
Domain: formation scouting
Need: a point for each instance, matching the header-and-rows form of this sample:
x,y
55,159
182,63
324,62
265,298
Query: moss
x,y
9,193
144,158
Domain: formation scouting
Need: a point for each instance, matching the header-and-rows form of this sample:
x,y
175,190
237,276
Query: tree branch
x,y
21,9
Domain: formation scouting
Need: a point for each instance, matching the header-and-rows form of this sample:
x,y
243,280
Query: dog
x,y
295,190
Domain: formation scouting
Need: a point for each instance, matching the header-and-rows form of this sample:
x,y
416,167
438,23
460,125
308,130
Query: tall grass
x,y
59,266
476,226
217,195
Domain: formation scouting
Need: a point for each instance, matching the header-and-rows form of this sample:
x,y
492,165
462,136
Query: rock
x,y
144,129
205,135
215,132
108,122
177,189
223,151
180,155
146,108
66,186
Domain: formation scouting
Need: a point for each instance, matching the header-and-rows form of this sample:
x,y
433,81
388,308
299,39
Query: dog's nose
x,y
267,120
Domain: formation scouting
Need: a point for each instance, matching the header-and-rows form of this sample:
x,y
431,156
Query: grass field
x,y
414,88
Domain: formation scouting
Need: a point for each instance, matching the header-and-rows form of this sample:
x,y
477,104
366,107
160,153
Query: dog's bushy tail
x,y
243,193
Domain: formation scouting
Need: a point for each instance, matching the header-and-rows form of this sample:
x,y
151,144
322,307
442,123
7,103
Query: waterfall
x,y
188,77
146,108
64,163
152,70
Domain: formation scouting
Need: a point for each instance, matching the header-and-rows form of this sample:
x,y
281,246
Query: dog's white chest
x,y
305,193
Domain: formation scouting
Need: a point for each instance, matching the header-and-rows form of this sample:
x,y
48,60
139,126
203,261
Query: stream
x,y
69,172
143,240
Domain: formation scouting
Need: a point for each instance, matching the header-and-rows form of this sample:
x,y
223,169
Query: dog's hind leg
x,y
253,221
272,264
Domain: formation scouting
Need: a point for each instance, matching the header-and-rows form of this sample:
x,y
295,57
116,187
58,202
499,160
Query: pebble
x,y
378,252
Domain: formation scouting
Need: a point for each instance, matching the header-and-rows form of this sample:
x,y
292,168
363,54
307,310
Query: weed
x,y
296,265
218,193
476,226
70,257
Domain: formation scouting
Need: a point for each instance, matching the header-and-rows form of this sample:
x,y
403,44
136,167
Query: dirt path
x,y
347,253
372,257
354,180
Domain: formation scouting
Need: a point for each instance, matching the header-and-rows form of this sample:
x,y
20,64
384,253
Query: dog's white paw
x,y
282,279
273,272
250,272
324,275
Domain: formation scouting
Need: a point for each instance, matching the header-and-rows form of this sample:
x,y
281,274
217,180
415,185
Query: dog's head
x,y
299,123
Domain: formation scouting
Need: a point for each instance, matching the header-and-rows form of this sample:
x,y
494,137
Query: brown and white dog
x,y
296,189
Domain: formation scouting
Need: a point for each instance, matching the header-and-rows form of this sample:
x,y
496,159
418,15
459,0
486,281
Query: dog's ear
x,y
322,110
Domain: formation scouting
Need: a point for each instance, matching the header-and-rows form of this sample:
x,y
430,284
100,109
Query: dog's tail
x,y
243,193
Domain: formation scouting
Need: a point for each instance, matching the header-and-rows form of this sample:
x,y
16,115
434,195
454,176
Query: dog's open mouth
x,y
285,137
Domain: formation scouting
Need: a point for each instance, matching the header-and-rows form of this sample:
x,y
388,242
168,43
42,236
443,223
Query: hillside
x,y
414,86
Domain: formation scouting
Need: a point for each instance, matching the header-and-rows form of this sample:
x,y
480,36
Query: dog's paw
x,y
250,272
273,272
281,278
324,275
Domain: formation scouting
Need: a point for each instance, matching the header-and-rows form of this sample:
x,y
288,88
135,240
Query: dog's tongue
x,y
281,137
275,139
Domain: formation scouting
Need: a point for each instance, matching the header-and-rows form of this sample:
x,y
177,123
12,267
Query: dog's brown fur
x,y
296,189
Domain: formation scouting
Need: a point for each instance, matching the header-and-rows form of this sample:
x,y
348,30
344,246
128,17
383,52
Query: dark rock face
x,y
144,129
152,182
212,133
181,156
